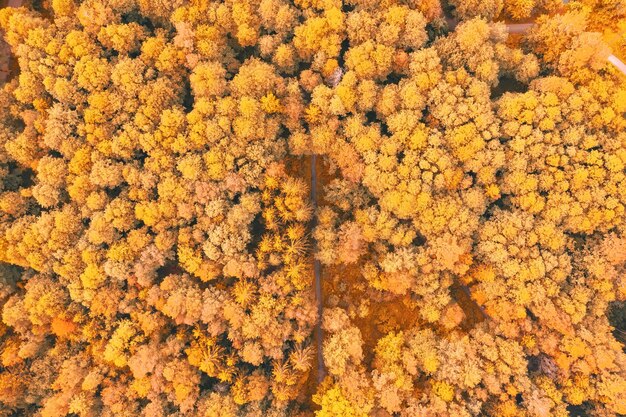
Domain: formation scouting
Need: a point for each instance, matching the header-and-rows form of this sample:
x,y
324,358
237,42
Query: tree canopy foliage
x,y
157,238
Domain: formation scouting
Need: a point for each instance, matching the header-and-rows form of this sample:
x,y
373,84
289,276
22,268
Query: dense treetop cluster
x,y
157,239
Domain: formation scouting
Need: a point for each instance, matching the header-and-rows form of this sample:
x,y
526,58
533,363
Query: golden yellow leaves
x,y
255,79
285,242
92,277
320,34
301,358
244,292
124,38
208,80
93,72
190,167
217,164
172,183
492,191
370,60
465,142
405,205
389,348
270,103
480,273
333,403
343,349
193,262
312,114
538,122
367,140
443,390
63,7
207,355
124,338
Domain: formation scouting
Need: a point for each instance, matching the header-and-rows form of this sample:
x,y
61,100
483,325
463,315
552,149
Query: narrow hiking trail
x,y
7,64
317,273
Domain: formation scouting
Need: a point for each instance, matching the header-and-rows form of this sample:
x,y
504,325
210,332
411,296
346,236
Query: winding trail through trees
x,y
317,273
6,62
519,27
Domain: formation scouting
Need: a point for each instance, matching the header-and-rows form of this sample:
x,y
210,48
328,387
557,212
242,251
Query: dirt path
x,y
618,64
317,273
6,62
519,27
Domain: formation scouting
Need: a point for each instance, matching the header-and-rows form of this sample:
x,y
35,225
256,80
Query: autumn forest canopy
x,y
313,208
